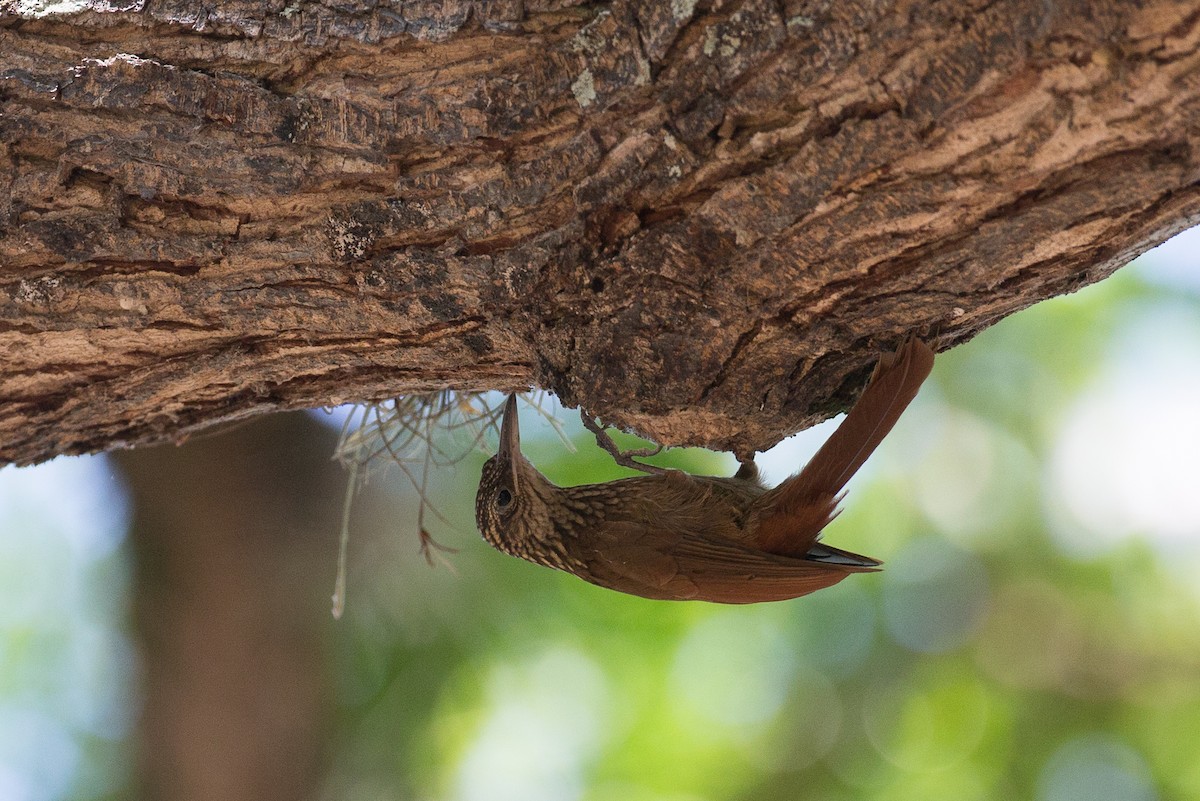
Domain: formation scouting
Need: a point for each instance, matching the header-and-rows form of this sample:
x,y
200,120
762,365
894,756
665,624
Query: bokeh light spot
x,y
733,668
67,671
934,595
545,722
952,477
1032,639
927,728
835,629
1095,767
812,728
1129,453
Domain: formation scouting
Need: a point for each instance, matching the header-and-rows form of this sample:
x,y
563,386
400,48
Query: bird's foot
x,y
623,458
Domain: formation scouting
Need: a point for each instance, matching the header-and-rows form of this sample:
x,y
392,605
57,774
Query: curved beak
x,y
510,440
510,434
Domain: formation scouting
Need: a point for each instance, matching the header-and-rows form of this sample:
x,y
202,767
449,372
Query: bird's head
x,y
510,507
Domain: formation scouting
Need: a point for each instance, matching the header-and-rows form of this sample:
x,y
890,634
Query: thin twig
x,y
437,429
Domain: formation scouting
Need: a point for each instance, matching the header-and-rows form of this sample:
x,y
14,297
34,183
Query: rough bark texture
x,y
700,220
234,555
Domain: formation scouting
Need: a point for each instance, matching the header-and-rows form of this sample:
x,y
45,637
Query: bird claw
x,y
623,458
747,470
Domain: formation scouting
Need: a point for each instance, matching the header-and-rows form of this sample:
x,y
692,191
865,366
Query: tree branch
x,y
701,222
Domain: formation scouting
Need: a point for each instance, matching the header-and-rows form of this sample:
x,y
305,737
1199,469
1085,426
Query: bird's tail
x,y
806,502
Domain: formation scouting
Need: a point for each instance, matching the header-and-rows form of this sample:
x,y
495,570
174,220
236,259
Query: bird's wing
x,y
653,564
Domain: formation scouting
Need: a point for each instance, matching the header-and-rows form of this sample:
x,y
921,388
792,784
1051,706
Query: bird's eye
x,y
503,498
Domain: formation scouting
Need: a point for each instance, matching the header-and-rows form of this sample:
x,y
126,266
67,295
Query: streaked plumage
x,y
675,536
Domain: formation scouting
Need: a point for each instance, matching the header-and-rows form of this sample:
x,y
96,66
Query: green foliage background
x,y
986,662
1009,650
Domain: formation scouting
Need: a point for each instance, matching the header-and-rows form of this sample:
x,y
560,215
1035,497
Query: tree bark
x,y
701,220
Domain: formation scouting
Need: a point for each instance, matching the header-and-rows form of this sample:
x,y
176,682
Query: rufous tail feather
x,y
806,502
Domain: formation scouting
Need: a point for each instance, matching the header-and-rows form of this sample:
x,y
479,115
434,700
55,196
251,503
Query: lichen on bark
x,y
208,213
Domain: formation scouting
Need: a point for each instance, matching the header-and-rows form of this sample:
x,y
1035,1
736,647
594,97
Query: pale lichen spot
x,y
348,238
643,69
133,304
44,290
121,58
37,10
507,275
584,89
682,10
800,21
590,39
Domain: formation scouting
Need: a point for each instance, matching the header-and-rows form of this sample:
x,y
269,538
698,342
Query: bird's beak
x,y
510,430
510,436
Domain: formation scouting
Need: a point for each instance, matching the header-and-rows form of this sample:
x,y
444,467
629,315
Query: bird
x,y
670,535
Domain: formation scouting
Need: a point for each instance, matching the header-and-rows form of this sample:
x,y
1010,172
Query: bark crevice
x,y
700,222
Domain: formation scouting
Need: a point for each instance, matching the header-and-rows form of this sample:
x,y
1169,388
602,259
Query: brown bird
x,y
676,536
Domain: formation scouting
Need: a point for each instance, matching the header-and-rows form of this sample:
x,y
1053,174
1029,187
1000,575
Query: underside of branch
x,y
699,220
